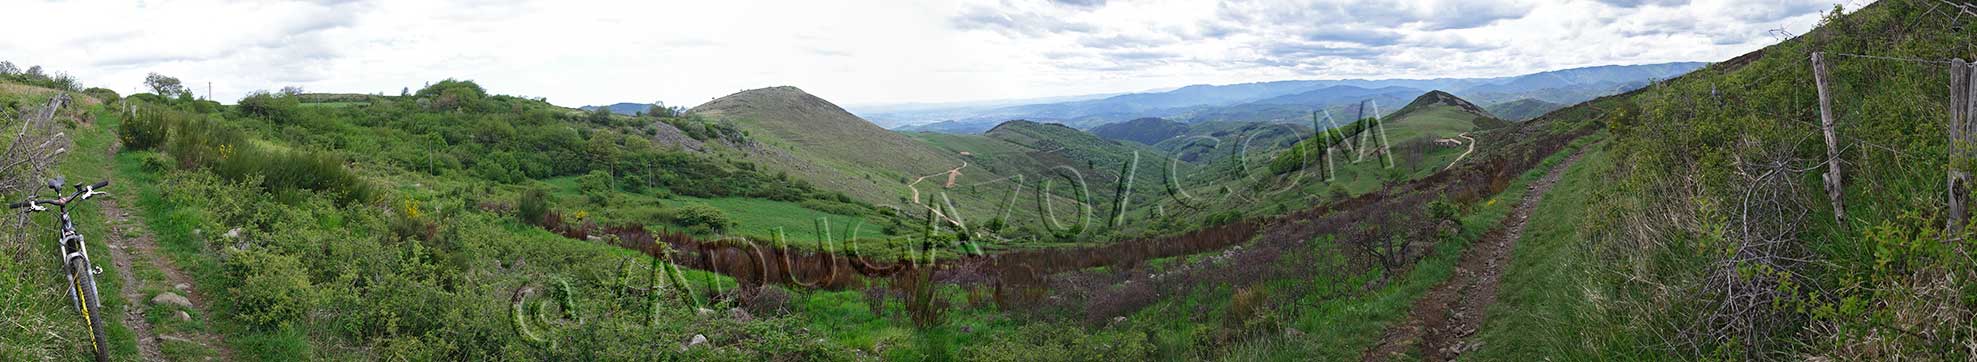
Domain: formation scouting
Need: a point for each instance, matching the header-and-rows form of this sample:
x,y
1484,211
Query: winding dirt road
x,y
1439,323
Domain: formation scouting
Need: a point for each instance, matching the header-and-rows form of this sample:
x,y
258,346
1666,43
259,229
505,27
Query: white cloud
x,y
593,52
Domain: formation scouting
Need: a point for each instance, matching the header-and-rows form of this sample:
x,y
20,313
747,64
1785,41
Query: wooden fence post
x,y
1832,176
1961,102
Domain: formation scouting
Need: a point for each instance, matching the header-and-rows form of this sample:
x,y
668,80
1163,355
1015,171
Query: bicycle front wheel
x,y
84,284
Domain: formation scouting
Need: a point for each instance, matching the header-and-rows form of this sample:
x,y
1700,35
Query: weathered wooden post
x,y
1832,176
1961,103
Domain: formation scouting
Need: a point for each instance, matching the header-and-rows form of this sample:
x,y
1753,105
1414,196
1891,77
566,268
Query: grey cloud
x,y
1123,40
1769,11
1014,23
1081,3
1353,34
1639,3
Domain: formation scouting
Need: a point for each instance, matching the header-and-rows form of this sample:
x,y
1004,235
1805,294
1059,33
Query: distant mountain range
x,y
622,108
1287,100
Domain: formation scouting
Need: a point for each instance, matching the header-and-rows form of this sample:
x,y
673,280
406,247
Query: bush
x,y
698,216
596,187
534,204
273,291
102,94
149,129
156,162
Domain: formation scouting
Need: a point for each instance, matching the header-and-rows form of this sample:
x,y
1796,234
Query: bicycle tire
x,y
84,284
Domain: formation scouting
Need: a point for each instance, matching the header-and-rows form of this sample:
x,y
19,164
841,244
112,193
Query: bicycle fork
x,y
72,249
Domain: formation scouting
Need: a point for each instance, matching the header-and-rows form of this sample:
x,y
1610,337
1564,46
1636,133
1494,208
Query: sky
x,y
862,52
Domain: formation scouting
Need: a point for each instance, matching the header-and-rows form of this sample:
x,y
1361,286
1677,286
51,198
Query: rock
x,y
182,316
182,287
175,339
740,315
233,233
703,312
697,340
169,298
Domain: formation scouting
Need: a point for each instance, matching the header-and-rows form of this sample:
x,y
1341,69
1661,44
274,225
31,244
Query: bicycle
x,y
75,260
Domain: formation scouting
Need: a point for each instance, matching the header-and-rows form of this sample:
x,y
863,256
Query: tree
x,y
291,90
659,109
8,68
34,72
162,85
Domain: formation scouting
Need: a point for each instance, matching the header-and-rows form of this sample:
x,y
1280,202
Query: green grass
x,y
1341,329
1548,303
45,291
173,226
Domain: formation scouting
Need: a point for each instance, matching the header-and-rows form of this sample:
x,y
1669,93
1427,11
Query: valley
x,y
1787,203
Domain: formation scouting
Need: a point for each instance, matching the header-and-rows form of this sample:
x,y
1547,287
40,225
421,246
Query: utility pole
x,y
1832,176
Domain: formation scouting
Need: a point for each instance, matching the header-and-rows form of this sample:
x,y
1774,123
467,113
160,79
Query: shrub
x,y
534,204
596,187
834,207
149,129
102,94
698,216
274,289
156,162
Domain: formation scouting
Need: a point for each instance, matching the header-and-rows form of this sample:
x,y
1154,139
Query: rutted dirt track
x,y
1440,322
141,248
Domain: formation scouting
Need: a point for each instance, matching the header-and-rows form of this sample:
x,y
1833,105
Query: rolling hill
x,y
816,141
1292,99
1523,109
622,108
1144,130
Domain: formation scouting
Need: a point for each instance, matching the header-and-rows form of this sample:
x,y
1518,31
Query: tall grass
x,y
197,142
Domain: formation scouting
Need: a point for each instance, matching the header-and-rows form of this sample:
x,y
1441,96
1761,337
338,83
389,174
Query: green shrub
x,y
156,162
273,289
596,187
102,94
149,129
697,216
532,206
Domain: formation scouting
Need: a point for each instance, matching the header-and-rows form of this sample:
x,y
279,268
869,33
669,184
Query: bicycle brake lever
x,y
36,207
92,193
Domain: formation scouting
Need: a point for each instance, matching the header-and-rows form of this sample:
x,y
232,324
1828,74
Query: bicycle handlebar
x,y
81,190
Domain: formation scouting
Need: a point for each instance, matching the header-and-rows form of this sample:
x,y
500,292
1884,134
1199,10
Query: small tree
x,y
160,84
596,187
533,206
8,68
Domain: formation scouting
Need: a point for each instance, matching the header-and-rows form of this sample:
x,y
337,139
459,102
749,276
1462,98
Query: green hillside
x,y
1144,130
1523,109
813,140
1679,200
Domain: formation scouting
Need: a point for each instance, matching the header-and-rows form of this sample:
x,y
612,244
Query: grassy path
x,y
1439,323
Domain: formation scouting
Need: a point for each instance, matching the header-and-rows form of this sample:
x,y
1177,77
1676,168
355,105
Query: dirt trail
x,y
1439,322
143,249
1465,154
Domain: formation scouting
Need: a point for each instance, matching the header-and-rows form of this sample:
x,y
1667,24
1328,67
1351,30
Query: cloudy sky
x,y
863,52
